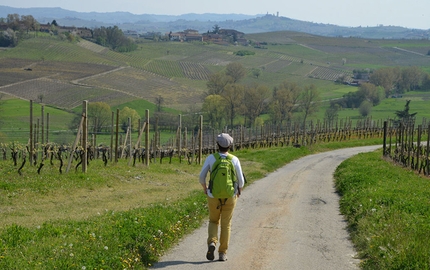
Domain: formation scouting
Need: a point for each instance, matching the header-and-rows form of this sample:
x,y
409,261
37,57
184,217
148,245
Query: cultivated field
x,y
61,74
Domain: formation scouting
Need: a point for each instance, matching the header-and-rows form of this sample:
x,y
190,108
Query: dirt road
x,y
287,220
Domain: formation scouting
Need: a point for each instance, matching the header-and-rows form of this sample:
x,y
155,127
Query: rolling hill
x,y
61,74
259,23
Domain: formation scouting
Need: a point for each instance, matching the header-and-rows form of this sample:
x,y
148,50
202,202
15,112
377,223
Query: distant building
x,y
131,33
193,37
224,37
215,38
231,33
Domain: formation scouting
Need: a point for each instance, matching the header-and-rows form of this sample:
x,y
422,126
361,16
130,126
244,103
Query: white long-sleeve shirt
x,y
207,167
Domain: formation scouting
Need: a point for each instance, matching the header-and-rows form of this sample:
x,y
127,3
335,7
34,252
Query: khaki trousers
x,y
220,211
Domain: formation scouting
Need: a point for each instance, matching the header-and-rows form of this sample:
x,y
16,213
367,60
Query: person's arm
x,y
239,175
205,169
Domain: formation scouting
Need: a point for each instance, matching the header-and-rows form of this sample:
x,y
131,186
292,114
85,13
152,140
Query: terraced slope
x,y
64,73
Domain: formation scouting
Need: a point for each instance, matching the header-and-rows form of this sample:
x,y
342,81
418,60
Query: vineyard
x,y
276,65
330,74
165,68
195,71
145,85
408,144
187,144
61,74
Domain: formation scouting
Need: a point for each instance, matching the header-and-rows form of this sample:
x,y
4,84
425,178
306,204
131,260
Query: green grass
x,y
388,212
53,49
15,118
93,220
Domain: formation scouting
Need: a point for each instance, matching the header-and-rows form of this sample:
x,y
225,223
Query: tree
x,y
217,83
410,79
158,102
215,29
13,21
126,113
369,92
341,79
114,38
214,108
40,97
256,72
236,71
425,85
404,116
29,22
332,112
233,96
387,78
8,38
365,108
100,115
192,117
309,101
254,101
284,100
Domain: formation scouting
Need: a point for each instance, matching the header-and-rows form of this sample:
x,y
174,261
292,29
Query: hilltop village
x,y
217,36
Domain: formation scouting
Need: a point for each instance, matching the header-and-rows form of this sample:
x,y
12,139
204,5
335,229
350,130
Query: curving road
x,y
288,220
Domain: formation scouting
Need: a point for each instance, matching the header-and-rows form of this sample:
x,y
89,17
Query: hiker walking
x,y
225,185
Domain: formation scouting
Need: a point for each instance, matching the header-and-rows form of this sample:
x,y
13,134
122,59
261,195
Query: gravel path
x,y
288,220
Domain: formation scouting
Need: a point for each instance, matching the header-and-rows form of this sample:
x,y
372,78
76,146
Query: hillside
x,y
65,73
62,74
258,23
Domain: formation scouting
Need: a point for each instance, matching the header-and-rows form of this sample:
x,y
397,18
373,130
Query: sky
x,y
409,13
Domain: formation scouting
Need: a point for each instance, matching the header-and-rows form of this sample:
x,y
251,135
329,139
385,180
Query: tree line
x,y
227,100
113,38
384,83
18,27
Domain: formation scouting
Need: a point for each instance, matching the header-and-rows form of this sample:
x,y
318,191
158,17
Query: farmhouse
x,y
131,33
215,38
193,37
176,36
225,36
231,33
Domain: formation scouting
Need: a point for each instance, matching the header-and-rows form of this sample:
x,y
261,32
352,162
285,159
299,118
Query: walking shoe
x,y
222,257
210,255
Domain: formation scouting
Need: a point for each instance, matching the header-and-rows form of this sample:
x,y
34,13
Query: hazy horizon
x,y
411,14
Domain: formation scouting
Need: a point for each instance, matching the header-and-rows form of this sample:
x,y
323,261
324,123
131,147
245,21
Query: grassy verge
x,y
112,217
388,212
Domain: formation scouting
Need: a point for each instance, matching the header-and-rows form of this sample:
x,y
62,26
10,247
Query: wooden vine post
x,y
42,140
111,136
147,138
47,127
31,133
200,140
384,141
116,136
84,135
78,137
179,138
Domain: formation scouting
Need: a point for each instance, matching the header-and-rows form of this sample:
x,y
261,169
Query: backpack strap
x,y
221,203
217,157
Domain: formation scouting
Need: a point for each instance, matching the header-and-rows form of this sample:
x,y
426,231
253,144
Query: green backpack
x,y
222,183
